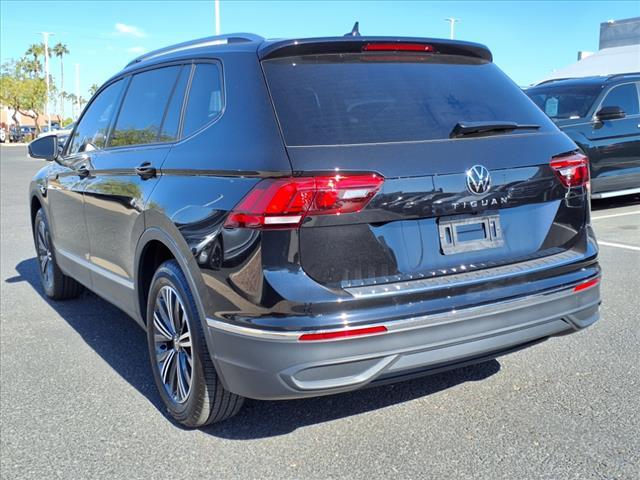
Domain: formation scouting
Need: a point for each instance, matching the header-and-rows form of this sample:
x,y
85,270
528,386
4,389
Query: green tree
x,y
60,50
22,93
93,89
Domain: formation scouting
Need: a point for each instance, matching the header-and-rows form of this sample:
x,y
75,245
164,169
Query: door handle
x,y
83,171
146,171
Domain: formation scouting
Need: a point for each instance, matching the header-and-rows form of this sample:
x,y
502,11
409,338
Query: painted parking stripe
x,y
618,245
616,215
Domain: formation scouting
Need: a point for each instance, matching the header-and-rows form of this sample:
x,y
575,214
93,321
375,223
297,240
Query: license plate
x,y
470,234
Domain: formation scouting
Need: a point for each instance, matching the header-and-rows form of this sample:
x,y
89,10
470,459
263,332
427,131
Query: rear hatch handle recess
x,y
466,129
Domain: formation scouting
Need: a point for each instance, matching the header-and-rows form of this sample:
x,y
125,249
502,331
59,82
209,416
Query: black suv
x,y
602,115
303,217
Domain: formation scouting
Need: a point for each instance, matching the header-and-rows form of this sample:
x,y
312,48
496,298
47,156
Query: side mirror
x,y
44,147
609,113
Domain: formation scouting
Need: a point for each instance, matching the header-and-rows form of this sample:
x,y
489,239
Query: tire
x,y
56,284
182,367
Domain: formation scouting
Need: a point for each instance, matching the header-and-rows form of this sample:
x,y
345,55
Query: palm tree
x,y
60,50
93,89
36,50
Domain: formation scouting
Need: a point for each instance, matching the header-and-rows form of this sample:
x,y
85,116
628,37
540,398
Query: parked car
x,y
61,132
602,115
328,214
21,134
55,128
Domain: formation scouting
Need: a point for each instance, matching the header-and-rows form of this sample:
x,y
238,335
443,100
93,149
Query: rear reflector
x,y
585,285
572,170
284,202
342,333
397,47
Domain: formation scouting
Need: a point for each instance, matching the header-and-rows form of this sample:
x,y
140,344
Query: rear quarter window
x,y
378,98
205,98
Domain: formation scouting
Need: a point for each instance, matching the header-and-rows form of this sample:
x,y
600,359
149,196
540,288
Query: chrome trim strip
x,y
615,193
465,278
96,269
413,323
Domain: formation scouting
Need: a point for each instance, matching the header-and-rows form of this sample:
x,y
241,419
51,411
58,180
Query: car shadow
x,y
122,344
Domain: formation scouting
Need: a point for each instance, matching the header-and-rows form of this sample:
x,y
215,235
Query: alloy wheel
x,y
172,340
45,257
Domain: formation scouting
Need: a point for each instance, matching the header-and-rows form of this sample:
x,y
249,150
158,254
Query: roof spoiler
x,y
355,44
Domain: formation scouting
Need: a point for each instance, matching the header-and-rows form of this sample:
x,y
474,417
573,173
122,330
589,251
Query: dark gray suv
x,y
303,217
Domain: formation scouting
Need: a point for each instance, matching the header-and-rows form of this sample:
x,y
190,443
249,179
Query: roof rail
x,y
551,80
619,75
606,78
200,42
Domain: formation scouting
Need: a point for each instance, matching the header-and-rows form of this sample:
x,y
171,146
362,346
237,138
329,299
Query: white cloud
x,y
137,49
124,29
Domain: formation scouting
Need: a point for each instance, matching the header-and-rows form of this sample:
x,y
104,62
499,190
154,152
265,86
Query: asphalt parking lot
x,y
78,401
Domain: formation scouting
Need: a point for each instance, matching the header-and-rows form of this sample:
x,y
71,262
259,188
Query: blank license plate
x,y
470,234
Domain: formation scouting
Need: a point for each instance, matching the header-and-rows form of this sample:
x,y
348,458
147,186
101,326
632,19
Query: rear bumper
x,y
267,364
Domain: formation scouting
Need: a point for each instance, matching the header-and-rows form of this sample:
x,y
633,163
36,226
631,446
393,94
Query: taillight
x,y
572,170
586,285
355,332
397,47
284,202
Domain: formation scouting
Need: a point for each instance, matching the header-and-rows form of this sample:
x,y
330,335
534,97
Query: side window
x,y
169,131
91,132
623,96
143,107
204,101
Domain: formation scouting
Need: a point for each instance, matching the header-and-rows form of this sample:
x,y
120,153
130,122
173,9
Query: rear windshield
x,y
564,101
379,98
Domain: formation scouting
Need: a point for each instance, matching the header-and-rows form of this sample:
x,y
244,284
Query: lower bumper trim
x,y
615,193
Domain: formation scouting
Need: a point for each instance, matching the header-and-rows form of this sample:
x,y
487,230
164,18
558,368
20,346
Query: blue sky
x,y
528,39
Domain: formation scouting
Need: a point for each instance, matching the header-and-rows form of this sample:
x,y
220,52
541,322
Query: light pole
x,y
45,37
77,65
216,4
452,21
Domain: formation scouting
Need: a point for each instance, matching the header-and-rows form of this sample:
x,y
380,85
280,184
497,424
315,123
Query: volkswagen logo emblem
x,y
478,180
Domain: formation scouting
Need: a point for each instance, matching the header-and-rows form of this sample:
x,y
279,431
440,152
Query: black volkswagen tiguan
x,y
304,217
602,115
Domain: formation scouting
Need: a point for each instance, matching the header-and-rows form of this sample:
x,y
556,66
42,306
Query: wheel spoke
x,y
161,327
43,264
166,366
184,340
164,316
169,300
183,386
162,355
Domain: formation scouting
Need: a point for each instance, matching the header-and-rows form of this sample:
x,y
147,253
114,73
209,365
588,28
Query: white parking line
x,y
637,212
618,245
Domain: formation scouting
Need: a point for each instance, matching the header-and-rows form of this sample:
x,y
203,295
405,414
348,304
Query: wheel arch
x,y
154,247
34,205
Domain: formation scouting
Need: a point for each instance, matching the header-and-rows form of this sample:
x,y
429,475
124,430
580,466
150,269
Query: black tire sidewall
x,y
169,274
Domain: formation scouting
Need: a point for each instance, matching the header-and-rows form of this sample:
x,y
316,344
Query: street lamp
x,y
45,37
452,21
216,4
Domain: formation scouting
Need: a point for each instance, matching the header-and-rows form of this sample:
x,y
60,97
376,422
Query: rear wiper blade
x,y
463,129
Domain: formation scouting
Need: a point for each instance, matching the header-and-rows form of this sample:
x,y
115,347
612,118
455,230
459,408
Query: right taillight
x,y
572,170
284,202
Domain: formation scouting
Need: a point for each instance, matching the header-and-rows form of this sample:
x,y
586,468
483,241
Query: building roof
x,y
608,61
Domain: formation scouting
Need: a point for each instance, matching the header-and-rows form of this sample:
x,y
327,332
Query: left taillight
x,y
572,170
285,202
